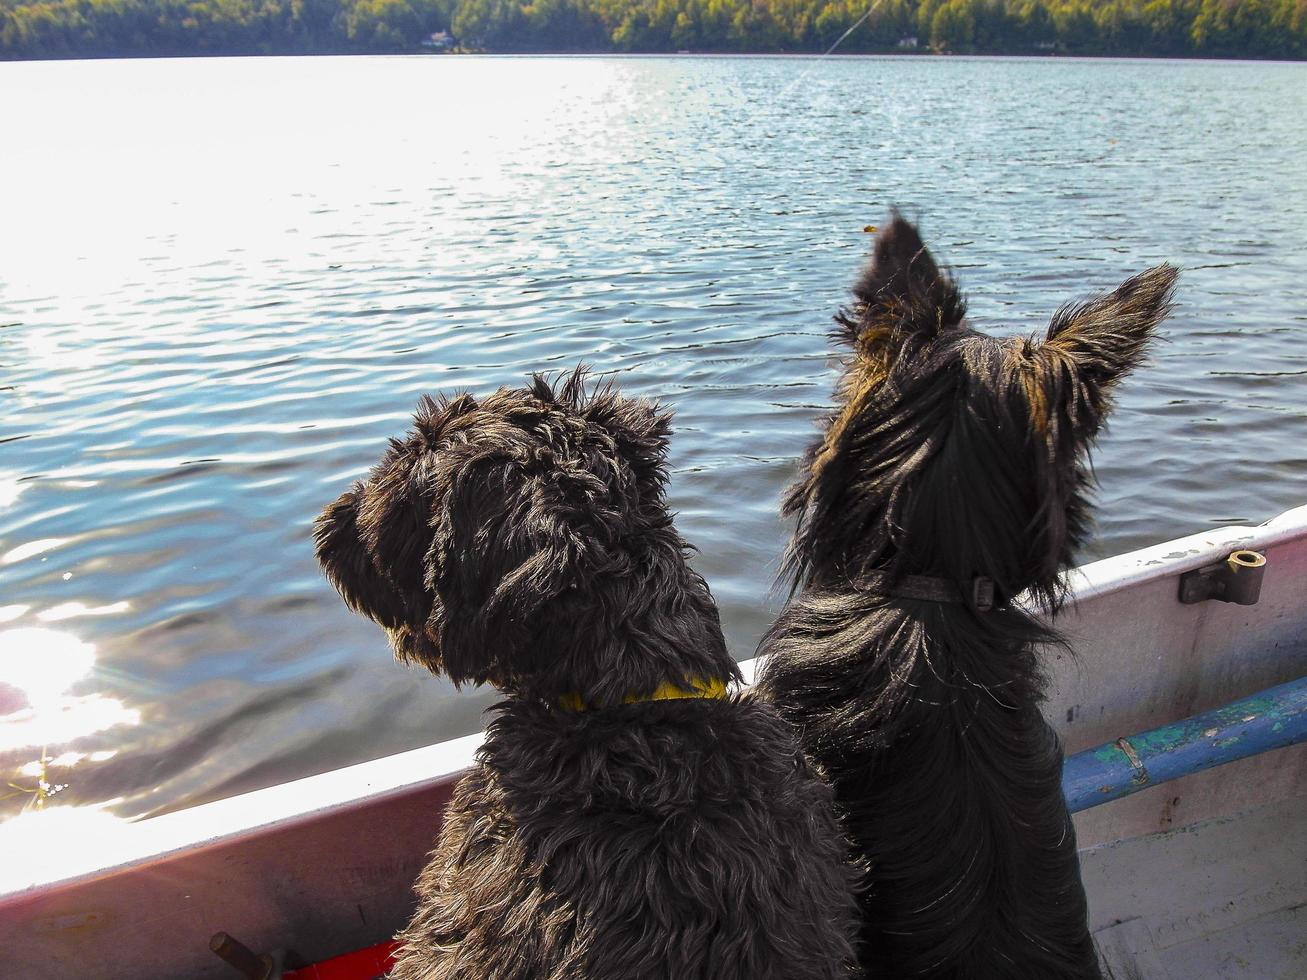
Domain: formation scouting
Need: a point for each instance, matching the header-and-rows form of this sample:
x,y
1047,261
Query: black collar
x,y
978,594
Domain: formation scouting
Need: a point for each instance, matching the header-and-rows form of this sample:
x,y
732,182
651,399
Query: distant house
x,y
439,41
908,43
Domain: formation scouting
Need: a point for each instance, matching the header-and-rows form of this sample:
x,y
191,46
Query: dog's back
x,y
950,780
681,839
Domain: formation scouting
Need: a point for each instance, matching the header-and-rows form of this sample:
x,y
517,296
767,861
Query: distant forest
x,y
1164,28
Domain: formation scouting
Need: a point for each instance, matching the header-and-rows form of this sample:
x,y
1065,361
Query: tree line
x,y
1172,28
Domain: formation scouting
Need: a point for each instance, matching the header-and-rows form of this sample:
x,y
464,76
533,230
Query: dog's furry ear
x,y
1092,346
902,299
371,541
348,564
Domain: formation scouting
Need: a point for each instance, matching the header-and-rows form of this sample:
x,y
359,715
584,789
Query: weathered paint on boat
x,y
1273,719
1143,660
1177,874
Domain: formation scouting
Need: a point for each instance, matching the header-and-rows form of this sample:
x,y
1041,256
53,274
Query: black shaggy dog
x,y
951,478
627,817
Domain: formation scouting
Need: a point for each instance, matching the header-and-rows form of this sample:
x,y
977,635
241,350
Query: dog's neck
x,y
698,688
976,578
635,667
976,593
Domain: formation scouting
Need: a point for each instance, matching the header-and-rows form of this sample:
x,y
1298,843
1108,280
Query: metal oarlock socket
x,y
1238,579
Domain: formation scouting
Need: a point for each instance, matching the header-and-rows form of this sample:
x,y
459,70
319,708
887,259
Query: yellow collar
x,y
712,687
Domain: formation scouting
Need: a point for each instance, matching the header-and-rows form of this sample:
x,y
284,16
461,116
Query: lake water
x,y
223,284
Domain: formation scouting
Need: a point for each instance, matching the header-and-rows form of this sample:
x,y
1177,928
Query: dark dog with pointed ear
x,y
951,478
627,818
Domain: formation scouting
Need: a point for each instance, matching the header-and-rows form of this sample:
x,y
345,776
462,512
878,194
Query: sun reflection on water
x,y
10,488
38,667
70,610
30,549
43,664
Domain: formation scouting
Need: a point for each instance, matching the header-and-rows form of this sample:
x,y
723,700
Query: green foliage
x,y
131,28
126,28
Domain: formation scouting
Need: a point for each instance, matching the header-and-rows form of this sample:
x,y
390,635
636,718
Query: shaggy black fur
x,y
524,541
951,454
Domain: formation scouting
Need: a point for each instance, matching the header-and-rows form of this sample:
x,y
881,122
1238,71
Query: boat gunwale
x,y
430,768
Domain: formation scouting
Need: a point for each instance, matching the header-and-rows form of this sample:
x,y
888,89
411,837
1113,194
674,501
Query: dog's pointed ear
x,y
901,299
348,562
1092,346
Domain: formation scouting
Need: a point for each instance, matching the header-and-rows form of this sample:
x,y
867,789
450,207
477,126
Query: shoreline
x,y
661,55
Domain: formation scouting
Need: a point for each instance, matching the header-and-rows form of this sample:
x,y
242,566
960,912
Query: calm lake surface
x,y
224,283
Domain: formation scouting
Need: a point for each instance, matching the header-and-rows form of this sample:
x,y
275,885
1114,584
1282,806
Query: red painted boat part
x,y
362,964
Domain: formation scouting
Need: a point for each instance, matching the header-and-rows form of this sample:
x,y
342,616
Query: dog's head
x,y
955,454
524,540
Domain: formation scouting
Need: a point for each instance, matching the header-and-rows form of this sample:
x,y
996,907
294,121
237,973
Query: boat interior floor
x,y
1225,898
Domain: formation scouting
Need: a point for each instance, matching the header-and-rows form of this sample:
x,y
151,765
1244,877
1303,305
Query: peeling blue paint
x,y
1272,719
